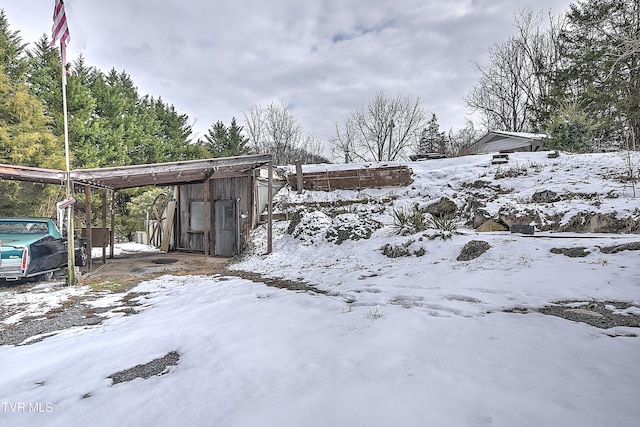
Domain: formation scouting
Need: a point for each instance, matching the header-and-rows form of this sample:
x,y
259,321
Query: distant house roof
x,y
496,141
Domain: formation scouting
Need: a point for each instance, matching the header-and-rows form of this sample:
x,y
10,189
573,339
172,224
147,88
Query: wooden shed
x,y
215,217
215,199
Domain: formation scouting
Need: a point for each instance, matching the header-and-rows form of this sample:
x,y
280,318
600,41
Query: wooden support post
x,y
300,181
87,221
270,210
168,227
104,226
207,220
112,221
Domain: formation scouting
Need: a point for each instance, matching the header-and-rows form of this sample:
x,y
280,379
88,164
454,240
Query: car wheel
x,y
81,258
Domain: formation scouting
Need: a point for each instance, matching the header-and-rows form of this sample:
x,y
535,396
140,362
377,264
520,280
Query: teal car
x,y
34,248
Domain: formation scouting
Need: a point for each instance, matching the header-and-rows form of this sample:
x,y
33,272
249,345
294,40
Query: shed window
x,y
228,219
196,216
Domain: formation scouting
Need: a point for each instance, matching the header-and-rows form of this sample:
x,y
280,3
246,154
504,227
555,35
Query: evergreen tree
x,y
601,67
571,130
12,51
25,140
45,80
431,139
223,141
174,132
238,142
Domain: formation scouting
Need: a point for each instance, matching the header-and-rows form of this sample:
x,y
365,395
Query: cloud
x,y
213,60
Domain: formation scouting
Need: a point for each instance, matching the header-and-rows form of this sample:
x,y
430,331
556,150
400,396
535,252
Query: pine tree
x,y
601,66
431,139
174,132
223,141
571,129
12,51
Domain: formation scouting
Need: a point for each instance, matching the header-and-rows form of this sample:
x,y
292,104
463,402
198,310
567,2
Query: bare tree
x,y
514,86
539,37
384,129
498,96
343,143
461,140
274,130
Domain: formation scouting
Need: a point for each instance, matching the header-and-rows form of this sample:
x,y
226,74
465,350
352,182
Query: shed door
x,y
226,227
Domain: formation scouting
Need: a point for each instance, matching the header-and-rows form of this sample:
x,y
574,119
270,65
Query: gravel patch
x,y
156,367
601,314
29,331
75,312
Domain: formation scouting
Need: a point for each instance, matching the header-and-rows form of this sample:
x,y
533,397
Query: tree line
x,y
575,77
111,124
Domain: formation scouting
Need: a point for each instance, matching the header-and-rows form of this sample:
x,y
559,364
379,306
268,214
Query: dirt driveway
x,y
136,267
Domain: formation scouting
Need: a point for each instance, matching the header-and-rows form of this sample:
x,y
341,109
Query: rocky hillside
x,y
531,192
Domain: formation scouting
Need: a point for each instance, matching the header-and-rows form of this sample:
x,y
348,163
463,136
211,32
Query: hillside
x,y
583,193
582,208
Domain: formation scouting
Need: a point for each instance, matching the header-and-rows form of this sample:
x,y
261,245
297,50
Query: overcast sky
x,y
214,59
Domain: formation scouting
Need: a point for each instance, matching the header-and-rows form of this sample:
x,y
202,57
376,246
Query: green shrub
x,y
408,221
443,223
444,227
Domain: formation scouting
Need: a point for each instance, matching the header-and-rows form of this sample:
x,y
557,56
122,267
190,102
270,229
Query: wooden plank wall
x,y
220,189
354,179
234,189
186,238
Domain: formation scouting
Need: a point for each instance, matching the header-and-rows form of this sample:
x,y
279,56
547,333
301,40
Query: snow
x,y
122,249
411,341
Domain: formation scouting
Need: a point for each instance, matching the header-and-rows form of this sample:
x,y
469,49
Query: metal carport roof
x,y
119,177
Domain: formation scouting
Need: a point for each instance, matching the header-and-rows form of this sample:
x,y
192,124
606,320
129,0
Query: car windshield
x,y
23,227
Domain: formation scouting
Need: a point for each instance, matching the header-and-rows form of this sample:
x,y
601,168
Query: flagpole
x,y
71,275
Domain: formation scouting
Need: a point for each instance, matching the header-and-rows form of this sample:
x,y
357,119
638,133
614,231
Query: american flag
x,y
60,31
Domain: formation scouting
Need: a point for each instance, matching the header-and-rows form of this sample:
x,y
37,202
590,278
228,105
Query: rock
x,y
473,250
631,246
522,228
511,214
480,217
579,252
395,251
585,312
444,207
591,222
545,196
350,227
492,225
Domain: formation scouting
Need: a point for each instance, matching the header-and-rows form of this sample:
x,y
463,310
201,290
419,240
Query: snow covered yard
x,y
254,355
422,339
